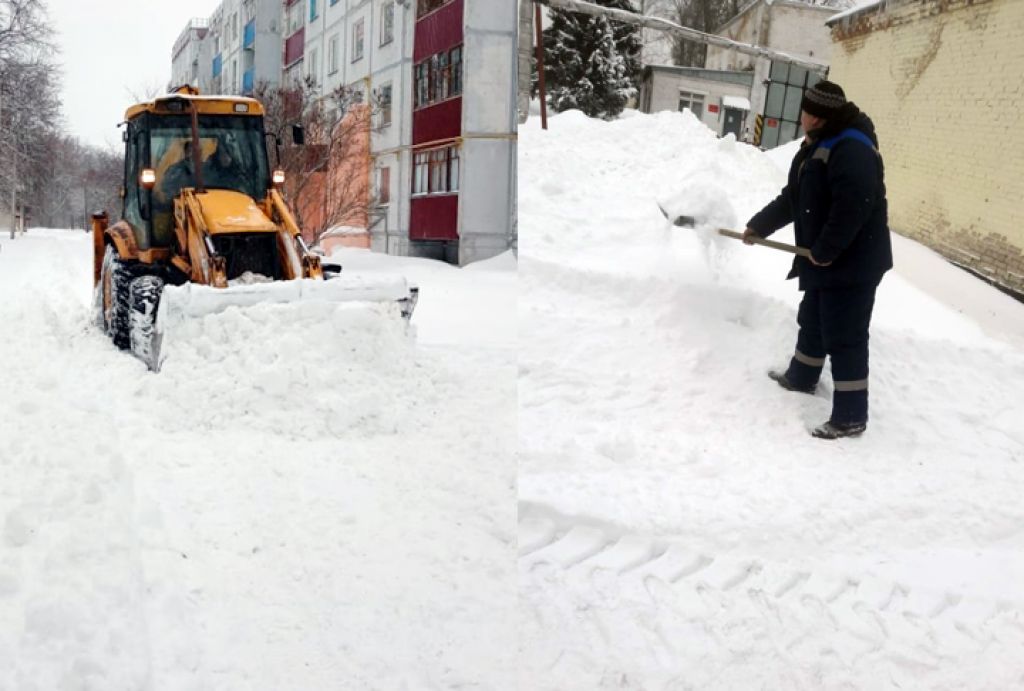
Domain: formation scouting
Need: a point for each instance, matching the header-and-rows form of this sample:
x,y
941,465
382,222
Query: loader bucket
x,y
192,301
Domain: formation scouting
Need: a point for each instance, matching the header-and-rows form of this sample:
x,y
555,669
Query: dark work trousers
x,y
834,322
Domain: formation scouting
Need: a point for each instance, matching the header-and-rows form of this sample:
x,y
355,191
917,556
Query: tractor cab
x,y
187,141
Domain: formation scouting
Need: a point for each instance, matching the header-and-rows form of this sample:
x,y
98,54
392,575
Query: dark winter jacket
x,y
835,199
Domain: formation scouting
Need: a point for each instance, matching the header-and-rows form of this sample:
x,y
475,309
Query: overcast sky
x,y
110,48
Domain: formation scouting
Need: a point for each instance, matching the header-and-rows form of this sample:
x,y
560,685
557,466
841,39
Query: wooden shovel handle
x,y
792,249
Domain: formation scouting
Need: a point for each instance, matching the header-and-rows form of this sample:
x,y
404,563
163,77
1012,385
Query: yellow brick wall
x,y
943,81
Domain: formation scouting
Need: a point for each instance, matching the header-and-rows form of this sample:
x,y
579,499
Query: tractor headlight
x,y
278,177
147,178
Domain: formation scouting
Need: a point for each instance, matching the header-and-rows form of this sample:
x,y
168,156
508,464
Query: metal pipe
x,y
540,68
687,33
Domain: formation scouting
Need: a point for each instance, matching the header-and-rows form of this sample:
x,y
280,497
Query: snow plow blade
x,y
194,301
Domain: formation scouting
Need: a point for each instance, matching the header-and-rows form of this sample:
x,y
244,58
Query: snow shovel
x,y
690,222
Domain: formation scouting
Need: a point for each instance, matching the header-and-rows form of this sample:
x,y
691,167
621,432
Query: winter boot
x,y
835,430
783,381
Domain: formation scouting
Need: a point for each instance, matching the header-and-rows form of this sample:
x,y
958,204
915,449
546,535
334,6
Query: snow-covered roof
x,y
861,6
740,102
799,4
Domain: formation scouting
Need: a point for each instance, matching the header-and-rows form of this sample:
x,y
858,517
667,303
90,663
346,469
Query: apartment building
x,y
441,78
237,47
186,54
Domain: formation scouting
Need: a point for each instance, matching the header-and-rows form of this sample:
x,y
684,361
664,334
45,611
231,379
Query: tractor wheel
x,y
143,299
111,299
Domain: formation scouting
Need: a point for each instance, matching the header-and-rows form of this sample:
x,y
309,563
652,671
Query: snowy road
x,y
301,499
679,528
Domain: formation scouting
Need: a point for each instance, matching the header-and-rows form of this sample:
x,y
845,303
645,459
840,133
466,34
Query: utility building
x,y
922,69
790,26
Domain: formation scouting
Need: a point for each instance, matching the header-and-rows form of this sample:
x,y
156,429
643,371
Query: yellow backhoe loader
x,y
204,226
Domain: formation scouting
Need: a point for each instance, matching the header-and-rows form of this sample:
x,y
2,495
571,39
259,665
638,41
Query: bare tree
x,y
327,178
703,15
29,106
24,30
30,114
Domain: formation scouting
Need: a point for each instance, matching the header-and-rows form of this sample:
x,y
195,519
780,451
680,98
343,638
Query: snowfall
x,y
305,497
679,528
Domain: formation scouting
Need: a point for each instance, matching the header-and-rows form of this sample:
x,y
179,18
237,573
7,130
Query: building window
x,y
421,164
311,67
296,17
456,67
312,10
436,171
384,104
384,186
422,84
441,80
439,171
453,169
438,78
357,40
234,75
427,6
387,23
692,102
332,54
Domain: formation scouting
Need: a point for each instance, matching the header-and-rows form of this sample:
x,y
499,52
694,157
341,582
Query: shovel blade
x,y
681,221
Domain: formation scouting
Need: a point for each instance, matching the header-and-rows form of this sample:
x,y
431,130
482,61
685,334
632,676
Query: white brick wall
x,y
942,81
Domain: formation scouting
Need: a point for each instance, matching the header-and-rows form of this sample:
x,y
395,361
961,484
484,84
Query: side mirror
x,y
298,135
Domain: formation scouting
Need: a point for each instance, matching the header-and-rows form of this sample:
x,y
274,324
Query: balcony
x,y
247,82
217,65
293,46
249,36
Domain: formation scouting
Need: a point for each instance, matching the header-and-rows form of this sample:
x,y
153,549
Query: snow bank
x,y
679,527
305,497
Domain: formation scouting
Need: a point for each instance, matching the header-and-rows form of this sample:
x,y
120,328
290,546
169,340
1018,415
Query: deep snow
x,y
306,497
678,526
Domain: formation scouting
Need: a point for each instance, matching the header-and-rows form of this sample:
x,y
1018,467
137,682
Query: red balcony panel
x,y
294,45
434,218
437,31
439,121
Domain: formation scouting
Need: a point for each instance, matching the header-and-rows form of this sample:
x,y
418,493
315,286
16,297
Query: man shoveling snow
x,y
835,199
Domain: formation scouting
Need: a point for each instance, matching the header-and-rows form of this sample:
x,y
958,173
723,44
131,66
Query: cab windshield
x,y
233,154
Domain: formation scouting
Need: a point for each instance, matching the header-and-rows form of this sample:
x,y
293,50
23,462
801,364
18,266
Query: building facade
x,y
719,98
790,26
237,47
186,54
922,69
440,76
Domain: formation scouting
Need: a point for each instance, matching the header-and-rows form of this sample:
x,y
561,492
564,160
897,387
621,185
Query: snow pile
x,y
679,527
304,497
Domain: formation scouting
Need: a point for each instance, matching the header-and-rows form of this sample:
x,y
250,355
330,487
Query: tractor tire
x,y
111,301
143,300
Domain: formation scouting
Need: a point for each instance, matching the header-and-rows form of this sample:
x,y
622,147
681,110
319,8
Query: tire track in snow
x,y
631,602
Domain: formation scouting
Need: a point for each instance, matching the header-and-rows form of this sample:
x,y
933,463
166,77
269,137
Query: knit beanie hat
x,y
823,100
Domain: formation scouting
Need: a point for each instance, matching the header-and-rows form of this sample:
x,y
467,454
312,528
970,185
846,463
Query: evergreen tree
x,y
591,63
